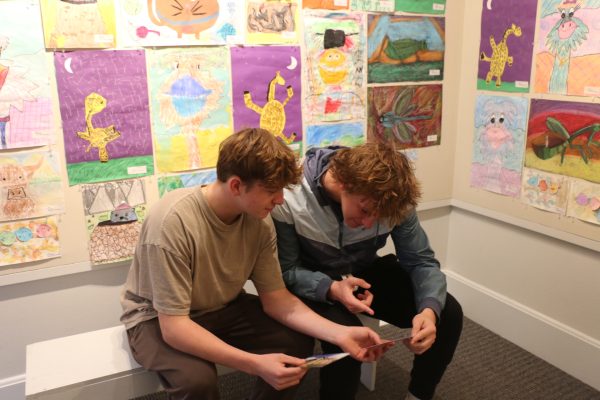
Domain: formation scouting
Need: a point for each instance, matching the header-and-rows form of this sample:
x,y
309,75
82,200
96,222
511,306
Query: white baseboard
x,y
566,348
13,388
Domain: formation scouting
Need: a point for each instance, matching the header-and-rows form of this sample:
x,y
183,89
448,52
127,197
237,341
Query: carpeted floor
x,y
485,367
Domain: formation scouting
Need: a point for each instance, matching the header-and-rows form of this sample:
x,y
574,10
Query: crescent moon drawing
x,y
489,4
68,65
293,63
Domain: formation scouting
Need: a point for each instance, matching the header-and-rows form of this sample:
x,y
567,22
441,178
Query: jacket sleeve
x,y
418,259
303,282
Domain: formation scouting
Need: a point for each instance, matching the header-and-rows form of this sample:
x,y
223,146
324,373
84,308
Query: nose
x,y
278,198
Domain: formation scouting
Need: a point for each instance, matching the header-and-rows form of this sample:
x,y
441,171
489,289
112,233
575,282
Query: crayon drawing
x,y
372,5
568,48
179,22
405,48
334,66
30,185
272,22
29,240
191,103
506,45
172,182
584,201
405,116
267,91
348,134
104,107
545,191
78,24
25,107
326,4
500,126
564,138
421,6
108,196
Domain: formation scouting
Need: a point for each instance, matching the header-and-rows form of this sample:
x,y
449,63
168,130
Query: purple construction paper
x,y
252,69
494,22
120,77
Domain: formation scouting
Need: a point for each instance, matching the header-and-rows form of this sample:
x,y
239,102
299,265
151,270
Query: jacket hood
x,y
316,163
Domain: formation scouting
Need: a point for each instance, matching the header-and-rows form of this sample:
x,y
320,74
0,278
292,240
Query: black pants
x,y
394,303
242,324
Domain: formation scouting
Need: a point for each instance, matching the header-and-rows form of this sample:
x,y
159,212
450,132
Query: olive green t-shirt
x,y
189,261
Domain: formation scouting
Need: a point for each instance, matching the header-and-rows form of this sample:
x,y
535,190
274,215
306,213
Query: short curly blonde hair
x,y
257,156
381,173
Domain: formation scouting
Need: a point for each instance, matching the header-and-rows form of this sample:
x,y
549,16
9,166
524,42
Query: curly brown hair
x,y
381,173
256,155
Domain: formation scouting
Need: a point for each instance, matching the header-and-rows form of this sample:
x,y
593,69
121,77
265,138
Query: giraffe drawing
x,y
499,57
272,114
97,137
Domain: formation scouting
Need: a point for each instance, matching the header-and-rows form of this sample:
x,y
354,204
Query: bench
x,y
98,365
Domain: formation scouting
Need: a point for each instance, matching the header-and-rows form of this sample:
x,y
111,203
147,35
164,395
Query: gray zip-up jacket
x,y
316,247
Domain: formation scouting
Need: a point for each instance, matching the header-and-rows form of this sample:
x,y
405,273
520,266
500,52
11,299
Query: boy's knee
x,y
199,387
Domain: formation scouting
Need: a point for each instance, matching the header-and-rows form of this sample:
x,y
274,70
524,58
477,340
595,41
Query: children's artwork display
x,y
191,105
584,201
326,4
179,22
104,107
114,213
28,240
267,91
172,182
25,106
30,185
405,48
506,45
545,191
564,138
500,126
272,22
568,48
421,6
372,5
334,66
405,116
346,134
79,24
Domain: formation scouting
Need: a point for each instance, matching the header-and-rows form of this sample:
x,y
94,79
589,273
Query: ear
x,y
235,185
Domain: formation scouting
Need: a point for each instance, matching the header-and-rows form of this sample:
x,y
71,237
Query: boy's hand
x,y
343,291
280,370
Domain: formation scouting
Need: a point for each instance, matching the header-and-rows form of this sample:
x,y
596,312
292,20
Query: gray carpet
x,y
485,366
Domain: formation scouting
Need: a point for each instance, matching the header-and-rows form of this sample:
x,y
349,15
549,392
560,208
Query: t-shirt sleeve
x,y
266,274
169,279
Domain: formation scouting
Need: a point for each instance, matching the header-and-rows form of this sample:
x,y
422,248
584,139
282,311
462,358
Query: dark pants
x,y
394,303
241,324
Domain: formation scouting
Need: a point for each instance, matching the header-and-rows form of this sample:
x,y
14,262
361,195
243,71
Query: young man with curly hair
x,y
329,230
184,306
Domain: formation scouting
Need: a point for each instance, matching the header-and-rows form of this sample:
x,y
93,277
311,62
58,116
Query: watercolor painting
x,y
26,117
179,22
568,48
191,102
172,182
564,138
334,66
372,5
405,48
30,185
506,45
584,201
104,108
326,4
405,116
498,144
29,240
545,191
79,24
272,22
267,91
346,134
421,6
